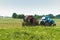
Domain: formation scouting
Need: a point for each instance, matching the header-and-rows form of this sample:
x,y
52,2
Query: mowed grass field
x,y
12,29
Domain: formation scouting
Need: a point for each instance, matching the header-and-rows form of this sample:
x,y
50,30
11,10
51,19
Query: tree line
x,y
21,16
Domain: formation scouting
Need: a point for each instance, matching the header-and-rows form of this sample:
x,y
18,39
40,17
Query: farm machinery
x,y
32,21
29,20
46,21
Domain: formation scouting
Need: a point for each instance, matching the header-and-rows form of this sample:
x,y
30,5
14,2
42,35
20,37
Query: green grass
x,y
30,33
11,29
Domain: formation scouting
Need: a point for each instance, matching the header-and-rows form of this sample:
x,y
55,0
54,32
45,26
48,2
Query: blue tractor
x,y
46,21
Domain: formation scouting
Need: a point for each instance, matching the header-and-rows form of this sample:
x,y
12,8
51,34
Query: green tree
x,y
20,16
14,15
51,16
58,16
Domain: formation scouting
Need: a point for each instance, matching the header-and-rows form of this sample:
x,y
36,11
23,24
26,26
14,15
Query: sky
x,y
29,7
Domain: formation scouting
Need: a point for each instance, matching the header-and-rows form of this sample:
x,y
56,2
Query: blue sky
x,y
27,2
29,7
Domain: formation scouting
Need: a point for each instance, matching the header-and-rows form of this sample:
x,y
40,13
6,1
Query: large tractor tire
x,y
42,23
